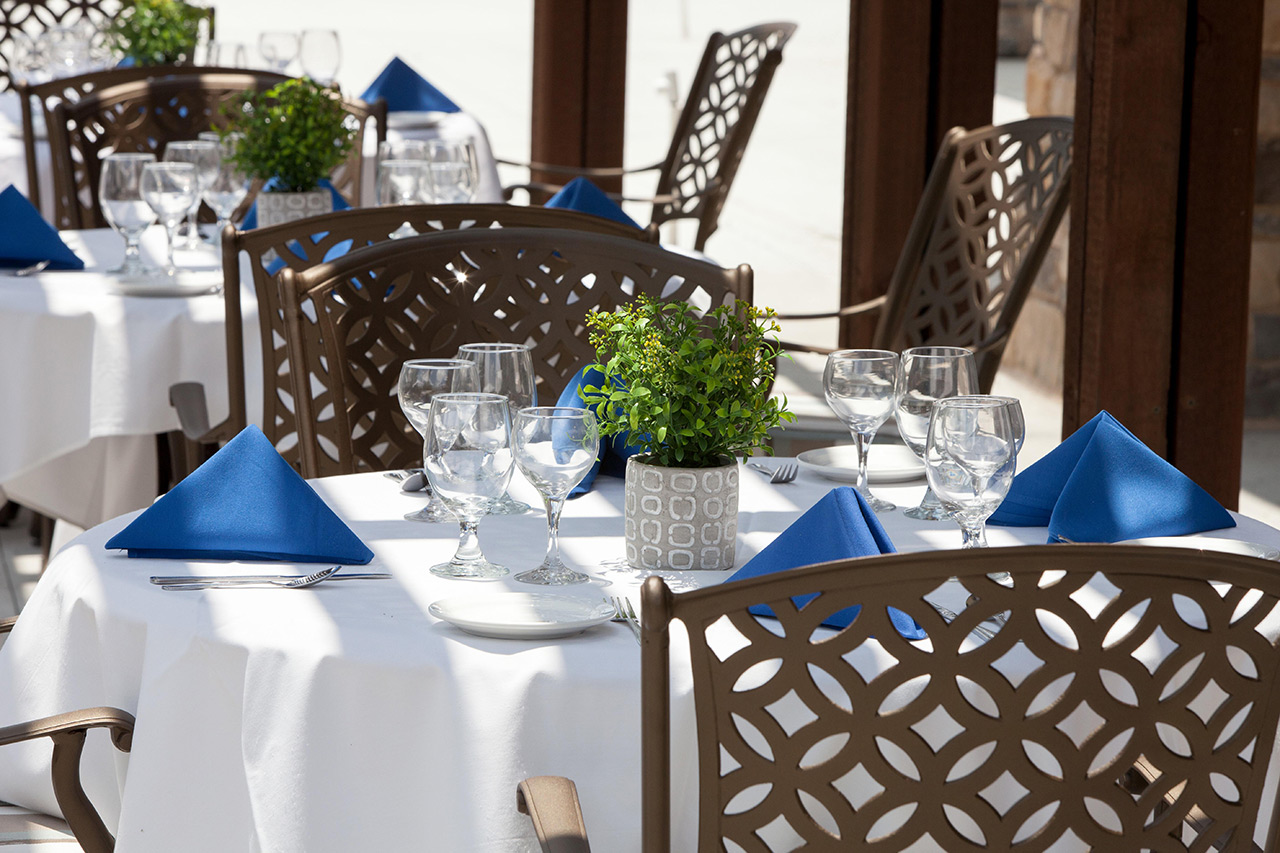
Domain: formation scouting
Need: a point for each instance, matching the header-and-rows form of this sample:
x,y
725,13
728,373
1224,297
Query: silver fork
x,y
292,583
622,607
784,473
31,270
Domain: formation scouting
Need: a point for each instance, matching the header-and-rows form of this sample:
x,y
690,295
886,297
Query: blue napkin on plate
x,y
405,90
1103,485
614,450
245,503
26,239
585,197
839,526
251,218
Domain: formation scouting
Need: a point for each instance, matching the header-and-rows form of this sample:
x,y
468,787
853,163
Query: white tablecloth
x,y
454,127
345,717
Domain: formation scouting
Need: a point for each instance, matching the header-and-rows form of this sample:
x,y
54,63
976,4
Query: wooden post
x,y
579,85
1157,289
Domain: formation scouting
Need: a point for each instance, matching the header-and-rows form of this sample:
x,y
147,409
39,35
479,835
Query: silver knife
x,y
338,576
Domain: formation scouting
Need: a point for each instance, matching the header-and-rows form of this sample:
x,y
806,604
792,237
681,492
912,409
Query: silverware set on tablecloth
x,y
190,582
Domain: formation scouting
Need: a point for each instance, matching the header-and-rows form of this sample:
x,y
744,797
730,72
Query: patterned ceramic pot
x,y
681,518
276,207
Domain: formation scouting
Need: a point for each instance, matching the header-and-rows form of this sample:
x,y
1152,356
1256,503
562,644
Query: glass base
x,y
927,513
474,570
552,576
435,512
878,504
507,505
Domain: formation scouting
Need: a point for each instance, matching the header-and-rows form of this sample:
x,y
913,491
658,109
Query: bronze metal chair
x,y
711,136
147,114
425,296
1129,702
33,17
990,208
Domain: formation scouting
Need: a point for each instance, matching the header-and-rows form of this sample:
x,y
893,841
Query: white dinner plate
x,y
185,283
1209,543
522,615
886,463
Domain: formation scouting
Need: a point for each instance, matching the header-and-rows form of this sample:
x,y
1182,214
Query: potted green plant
x,y
156,32
693,392
293,136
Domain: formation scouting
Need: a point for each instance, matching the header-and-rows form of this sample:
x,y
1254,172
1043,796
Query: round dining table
x,y
346,716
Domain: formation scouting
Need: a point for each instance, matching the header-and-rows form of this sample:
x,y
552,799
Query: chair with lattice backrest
x,y
423,297
1129,701
144,116
711,135
989,211
31,18
45,96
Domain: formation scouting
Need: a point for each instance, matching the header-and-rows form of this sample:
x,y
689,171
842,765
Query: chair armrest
x,y
847,311
587,171
187,399
120,722
552,803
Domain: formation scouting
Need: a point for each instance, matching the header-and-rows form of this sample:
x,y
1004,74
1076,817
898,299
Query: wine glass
x,y
229,187
170,189
403,182
455,173
555,447
228,54
421,379
278,49
505,369
402,149
970,458
206,156
468,464
120,195
861,387
320,54
929,374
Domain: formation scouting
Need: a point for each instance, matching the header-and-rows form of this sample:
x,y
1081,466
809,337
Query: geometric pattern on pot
x,y
681,518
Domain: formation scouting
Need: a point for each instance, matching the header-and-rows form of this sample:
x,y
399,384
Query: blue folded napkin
x,y
26,239
1104,485
251,218
614,450
405,90
839,526
245,503
585,197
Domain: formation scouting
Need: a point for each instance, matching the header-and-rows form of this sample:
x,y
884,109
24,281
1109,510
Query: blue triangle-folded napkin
x,y
838,527
585,197
614,450
251,217
1104,485
245,503
405,90
26,239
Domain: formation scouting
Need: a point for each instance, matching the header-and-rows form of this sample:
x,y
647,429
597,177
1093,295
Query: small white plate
x,y
1209,543
185,283
522,615
886,463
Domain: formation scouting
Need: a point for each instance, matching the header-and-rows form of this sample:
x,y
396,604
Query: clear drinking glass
x,y
861,387
169,188
421,379
229,187
228,54
120,195
206,156
404,182
278,49
402,149
555,447
505,369
970,459
928,374
468,464
321,54
455,171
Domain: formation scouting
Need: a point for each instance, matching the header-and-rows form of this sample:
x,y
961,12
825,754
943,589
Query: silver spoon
x,y
293,583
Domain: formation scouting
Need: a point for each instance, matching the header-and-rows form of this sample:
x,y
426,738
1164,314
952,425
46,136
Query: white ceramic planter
x,y
681,518
275,208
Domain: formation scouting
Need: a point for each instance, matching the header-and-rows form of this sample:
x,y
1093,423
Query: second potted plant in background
x,y
156,32
294,135
694,393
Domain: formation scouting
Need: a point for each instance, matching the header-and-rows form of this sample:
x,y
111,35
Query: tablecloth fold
x,y
405,90
26,239
585,197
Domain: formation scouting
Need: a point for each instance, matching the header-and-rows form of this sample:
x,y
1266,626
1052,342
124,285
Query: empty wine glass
x,y
505,369
228,54
555,447
402,149
403,182
861,387
278,49
169,188
230,186
320,54
206,156
468,464
421,379
970,458
929,374
120,195
455,173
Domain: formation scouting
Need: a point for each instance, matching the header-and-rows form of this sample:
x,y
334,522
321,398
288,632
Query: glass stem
x,y
171,231
468,542
975,533
131,253
193,230
930,500
554,508
863,441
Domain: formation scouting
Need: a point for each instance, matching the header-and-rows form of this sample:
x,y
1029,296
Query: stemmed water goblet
x,y
505,369
206,156
421,379
169,188
230,186
861,386
468,464
404,182
928,374
970,459
555,447
278,49
455,173
120,194
320,53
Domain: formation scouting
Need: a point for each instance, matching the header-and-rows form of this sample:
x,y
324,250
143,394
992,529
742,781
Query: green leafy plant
x,y
296,132
156,32
691,390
